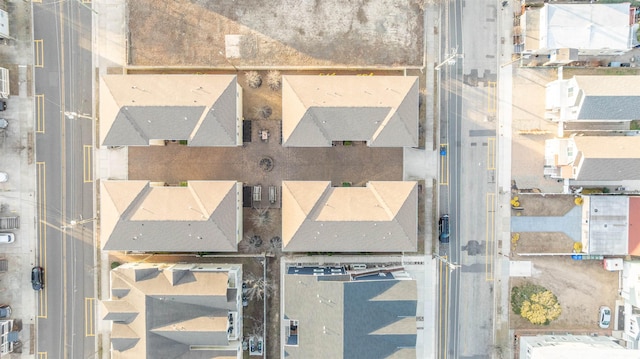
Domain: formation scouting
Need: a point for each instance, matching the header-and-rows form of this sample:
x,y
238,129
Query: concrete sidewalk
x,y
18,194
109,51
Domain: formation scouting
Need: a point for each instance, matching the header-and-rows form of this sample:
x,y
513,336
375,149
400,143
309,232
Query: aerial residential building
x,y
569,346
380,110
593,99
381,217
175,311
203,216
593,159
328,312
592,29
631,294
611,225
139,110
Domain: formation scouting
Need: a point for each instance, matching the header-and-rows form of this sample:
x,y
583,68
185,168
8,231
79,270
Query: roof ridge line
x,y
384,204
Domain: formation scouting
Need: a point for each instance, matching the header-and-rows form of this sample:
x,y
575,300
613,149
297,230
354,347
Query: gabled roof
x,y
609,97
585,26
204,216
381,217
201,109
607,158
351,319
158,318
382,110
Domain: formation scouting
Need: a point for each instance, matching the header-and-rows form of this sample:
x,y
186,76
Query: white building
x,y
593,29
573,347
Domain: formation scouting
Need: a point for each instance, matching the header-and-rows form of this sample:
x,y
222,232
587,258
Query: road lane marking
x,y
491,97
446,308
39,113
89,317
87,169
41,174
38,53
444,166
491,153
42,355
440,304
490,236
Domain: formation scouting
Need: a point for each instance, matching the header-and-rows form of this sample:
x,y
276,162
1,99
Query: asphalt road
x,y
64,156
468,106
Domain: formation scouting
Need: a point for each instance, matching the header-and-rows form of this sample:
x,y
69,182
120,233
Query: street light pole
x,y
451,60
452,266
73,222
74,115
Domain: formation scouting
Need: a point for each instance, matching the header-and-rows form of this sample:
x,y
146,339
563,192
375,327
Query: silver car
x,y
605,317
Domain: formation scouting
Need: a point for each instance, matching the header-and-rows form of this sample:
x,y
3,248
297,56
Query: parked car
x,y
37,278
4,177
3,105
259,347
5,311
605,317
245,300
443,150
6,238
3,123
443,226
252,345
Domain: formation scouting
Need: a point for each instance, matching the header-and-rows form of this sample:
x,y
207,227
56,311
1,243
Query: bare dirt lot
x,y
530,129
275,32
581,287
536,204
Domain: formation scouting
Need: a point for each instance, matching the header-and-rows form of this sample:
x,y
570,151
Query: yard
x,y
259,33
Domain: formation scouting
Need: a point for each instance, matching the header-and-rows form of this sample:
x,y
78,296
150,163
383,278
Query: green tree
x,y
535,303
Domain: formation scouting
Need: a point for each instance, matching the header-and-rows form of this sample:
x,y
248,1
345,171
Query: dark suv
x,y
37,278
443,226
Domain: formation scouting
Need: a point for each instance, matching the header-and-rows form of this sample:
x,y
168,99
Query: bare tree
x,y
262,219
250,244
274,80
254,80
257,287
275,245
263,112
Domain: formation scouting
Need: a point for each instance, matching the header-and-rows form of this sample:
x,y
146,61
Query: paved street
x,y
468,186
64,160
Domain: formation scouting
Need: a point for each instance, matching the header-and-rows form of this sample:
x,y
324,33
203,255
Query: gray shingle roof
x,y
607,158
382,110
201,109
169,317
205,216
381,217
351,319
609,97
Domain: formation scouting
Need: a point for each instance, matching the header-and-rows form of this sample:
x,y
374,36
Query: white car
x,y
605,317
4,177
6,238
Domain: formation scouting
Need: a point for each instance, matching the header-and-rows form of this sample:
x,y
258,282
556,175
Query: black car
x,y
3,105
443,225
37,278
